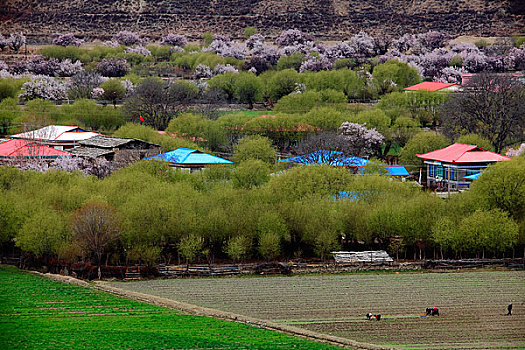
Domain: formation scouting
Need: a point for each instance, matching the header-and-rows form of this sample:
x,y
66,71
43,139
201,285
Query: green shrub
x,y
8,89
481,43
93,116
304,102
279,84
62,52
249,31
475,139
254,147
399,72
293,61
326,118
9,111
113,90
518,40
146,133
335,80
160,51
456,61
250,173
345,63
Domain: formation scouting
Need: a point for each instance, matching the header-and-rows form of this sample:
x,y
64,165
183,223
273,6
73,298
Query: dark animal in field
x,y
371,316
432,311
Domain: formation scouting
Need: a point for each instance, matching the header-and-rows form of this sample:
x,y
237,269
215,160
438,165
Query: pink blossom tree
x,y
141,50
368,141
292,37
202,71
128,38
16,41
67,39
172,39
113,67
42,86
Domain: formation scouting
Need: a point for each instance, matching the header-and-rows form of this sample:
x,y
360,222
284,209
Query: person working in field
x,y
509,310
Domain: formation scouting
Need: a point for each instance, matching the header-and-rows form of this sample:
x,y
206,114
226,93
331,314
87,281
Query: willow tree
x,y
96,227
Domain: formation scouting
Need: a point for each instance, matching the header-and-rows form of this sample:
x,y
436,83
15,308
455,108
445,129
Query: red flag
x,y
141,119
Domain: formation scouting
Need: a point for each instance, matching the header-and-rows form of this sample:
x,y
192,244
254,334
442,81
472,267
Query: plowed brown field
x,y
472,305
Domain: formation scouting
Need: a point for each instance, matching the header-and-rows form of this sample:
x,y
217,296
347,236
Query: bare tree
x,y
83,83
491,106
339,148
158,102
324,148
96,227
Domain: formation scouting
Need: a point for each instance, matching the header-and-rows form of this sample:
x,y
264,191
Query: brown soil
x,y
472,305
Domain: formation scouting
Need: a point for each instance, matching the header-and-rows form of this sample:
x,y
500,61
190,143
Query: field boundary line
x,y
224,315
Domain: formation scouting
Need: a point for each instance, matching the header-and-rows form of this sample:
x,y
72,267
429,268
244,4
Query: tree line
x,y
148,213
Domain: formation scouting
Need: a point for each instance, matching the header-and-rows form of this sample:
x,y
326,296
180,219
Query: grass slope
x,y
37,313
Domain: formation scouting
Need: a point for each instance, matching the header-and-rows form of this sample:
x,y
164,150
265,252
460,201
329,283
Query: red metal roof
x,y
429,86
26,148
460,153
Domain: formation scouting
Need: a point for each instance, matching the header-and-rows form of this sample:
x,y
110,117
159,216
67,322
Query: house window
x,y
446,174
430,171
453,174
439,171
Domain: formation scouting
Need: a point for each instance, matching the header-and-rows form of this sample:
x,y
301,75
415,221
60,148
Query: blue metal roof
x,y
397,170
392,170
326,157
472,177
189,156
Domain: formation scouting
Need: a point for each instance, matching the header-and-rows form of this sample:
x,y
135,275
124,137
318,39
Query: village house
x,y
60,137
119,150
453,167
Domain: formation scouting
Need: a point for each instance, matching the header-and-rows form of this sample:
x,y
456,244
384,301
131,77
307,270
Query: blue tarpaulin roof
x,y
332,158
352,195
189,156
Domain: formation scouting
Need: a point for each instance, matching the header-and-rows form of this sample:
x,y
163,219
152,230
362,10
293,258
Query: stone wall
x,y
327,19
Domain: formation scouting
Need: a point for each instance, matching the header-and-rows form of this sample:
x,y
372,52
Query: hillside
x,y
329,19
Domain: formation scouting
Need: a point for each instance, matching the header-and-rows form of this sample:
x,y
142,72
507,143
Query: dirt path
x,y
228,316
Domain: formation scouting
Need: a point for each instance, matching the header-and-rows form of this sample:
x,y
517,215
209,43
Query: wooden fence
x,y
198,270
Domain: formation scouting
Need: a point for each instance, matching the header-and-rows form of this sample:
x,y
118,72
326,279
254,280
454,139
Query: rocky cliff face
x,y
328,19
